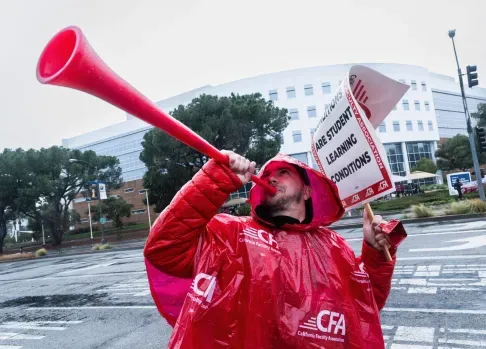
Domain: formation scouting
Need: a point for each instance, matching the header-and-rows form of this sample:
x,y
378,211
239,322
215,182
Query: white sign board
x,y
345,145
464,178
102,191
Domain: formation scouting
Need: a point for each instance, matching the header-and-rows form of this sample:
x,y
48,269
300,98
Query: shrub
x,y
243,210
41,252
477,206
99,247
461,207
421,211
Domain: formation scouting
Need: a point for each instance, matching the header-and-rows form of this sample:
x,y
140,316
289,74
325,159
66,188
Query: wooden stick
x,y
371,216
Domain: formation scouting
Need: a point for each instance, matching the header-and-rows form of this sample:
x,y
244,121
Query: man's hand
x,y
373,234
241,166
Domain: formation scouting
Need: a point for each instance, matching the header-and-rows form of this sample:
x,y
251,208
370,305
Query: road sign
x,y
467,243
103,220
464,177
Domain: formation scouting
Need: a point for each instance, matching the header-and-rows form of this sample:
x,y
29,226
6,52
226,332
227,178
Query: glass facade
x,y
450,112
127,149
417,151
395,158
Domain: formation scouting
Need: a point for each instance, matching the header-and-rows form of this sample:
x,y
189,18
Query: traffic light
x,y
472,76
481,134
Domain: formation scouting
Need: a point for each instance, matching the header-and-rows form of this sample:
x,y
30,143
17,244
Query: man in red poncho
x,y
276,279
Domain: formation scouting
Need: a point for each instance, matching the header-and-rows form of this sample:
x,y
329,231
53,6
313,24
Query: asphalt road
x,y
101,300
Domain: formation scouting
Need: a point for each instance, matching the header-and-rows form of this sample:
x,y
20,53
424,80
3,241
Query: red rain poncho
x,y
238,282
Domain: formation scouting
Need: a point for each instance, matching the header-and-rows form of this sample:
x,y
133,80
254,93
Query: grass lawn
x,y
428,199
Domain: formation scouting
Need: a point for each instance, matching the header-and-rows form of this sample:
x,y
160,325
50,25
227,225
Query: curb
x,y
418,220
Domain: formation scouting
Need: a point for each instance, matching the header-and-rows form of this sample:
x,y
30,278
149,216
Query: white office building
x,y
430,111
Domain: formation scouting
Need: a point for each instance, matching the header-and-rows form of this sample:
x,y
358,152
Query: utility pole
x,y
472,81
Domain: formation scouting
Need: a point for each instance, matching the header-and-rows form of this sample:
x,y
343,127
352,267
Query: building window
x,y
420,125
129,190
326,88
431,126
395,158
409,125
290,92
243,192
424,86
138,211
417,151
405,105
308,90
300,156
142,191
312,131
116,196
273,95
417,105
84,220
382,127
294,114
414,85
427,107
281,138
396,126
297,136
311,111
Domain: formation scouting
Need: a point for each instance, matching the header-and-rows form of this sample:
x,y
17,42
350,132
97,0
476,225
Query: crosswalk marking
x,y
9,347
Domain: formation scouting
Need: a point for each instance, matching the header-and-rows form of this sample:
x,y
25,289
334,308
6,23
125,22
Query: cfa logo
x,y
383,185
204,285
369,192
355,199
261,235
327,322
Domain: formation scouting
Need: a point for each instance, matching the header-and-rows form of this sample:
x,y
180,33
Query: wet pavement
x,y
102,299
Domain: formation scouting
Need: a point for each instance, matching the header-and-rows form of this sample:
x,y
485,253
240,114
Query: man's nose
x,y
272,180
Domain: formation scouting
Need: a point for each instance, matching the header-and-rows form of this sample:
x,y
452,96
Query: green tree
x,y
455,153
425,165
62,180
480,115
246,124
115,209
18,187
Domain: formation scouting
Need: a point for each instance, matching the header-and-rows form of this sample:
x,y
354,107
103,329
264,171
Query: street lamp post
x,y
148,209
452,33
99,198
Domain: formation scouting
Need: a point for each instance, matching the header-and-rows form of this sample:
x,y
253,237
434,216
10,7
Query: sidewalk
x,y
357,222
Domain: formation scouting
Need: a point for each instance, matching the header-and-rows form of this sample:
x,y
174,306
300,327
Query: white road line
x,y
87,268
9,335
92,307
437,311
387,327
409,346
415,334
462,342
429,234
429,258
10,347
58,322
463,330
80,276
29,326
425,290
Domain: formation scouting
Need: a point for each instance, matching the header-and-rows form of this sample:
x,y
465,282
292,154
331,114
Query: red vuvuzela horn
x,y
68,60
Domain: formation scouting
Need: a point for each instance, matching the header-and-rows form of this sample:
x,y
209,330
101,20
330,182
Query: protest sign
x,y
345,145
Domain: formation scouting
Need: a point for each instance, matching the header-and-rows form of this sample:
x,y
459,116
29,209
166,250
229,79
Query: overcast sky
x,y
167,47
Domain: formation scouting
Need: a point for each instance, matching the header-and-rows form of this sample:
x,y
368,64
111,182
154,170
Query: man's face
x,y
290,186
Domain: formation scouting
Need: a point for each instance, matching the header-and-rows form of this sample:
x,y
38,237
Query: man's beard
x,y
283,202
